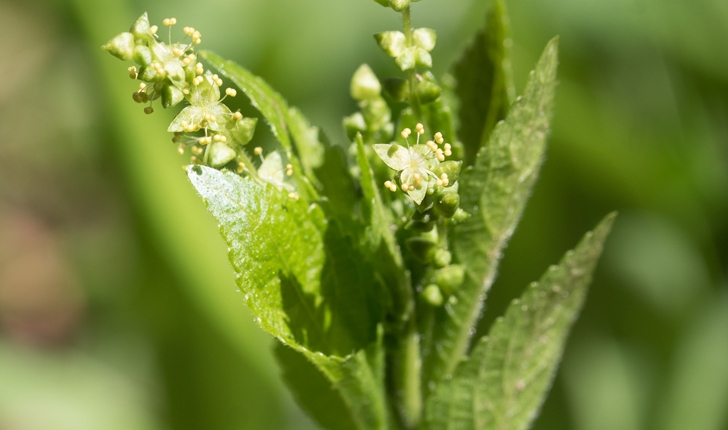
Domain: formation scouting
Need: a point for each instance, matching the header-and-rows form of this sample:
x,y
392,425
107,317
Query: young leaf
x,y
304,281
504,382
494,191
275,110
484,81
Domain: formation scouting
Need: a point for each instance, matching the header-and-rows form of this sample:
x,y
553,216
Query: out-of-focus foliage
x,y
102,256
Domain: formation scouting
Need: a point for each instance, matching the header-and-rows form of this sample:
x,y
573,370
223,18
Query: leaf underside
x,y
504,382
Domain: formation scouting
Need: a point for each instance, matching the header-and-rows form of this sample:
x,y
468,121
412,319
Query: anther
x,y
420,129
237,116
438,138
153,29
258,150
148,110
231,92
181,149
406,133
167,22
289,169
132,72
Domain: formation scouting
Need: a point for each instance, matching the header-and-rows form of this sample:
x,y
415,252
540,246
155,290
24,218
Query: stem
x,y
406,376
411,74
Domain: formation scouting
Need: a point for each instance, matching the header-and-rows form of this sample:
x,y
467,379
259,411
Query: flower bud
x,y
451,169
121,46
450,278
354,124
143,55
171,96
399,5
149,74
243,130
406,61
364,84
376,113
447,204
422,248
384,3
220,154
392,42
441,258
423,58
460,217
141,29
425,38
396,88
432,295
428,92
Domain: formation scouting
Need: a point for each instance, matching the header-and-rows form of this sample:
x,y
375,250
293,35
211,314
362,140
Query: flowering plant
x,y
379,293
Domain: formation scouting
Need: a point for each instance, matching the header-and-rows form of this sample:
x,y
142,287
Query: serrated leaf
x,y
494,191
304,281
504,382
484,81
273,107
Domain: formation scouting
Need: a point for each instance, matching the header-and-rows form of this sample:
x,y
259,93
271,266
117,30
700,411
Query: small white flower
x,y
414,165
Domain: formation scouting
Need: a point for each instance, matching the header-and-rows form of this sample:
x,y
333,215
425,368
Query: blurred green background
x,y
118,309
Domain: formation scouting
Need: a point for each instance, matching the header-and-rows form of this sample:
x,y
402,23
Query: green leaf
x,y
304,281
273,107
494,191
484,81
504,382
309,145
312,390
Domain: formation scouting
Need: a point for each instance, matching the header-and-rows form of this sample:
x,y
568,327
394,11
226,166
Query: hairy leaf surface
x,y
494,191
504,382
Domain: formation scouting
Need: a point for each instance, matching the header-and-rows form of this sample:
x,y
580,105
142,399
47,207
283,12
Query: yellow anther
x,y
188,31
153,29
237,116
178,52
231,92
196,34
199,68
420,129
181,149
405,187
393,188
294,196
169,21
217,138
406,133
439,182
418,179
194,160
289,169
388,185
240,168
258,150
438,138
218,81
447,146
142,86
196,150
448,153
132,72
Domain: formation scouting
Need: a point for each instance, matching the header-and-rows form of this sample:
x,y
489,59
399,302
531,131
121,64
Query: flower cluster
x,y
171,72
408,55
416,165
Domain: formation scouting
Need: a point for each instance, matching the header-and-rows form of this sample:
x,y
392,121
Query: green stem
x,y
411,74
406,376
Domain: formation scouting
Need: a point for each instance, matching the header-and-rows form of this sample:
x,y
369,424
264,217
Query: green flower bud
x,y
243,130
220,154
422,248
143,55
407,61
460,217
364,84
141,29
450,278
423,58
399,5
376,113
354,124
425,38
447,204
396,88
432,295
451,169
150,74
393,43
441,258
121,46
428,92
171,95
